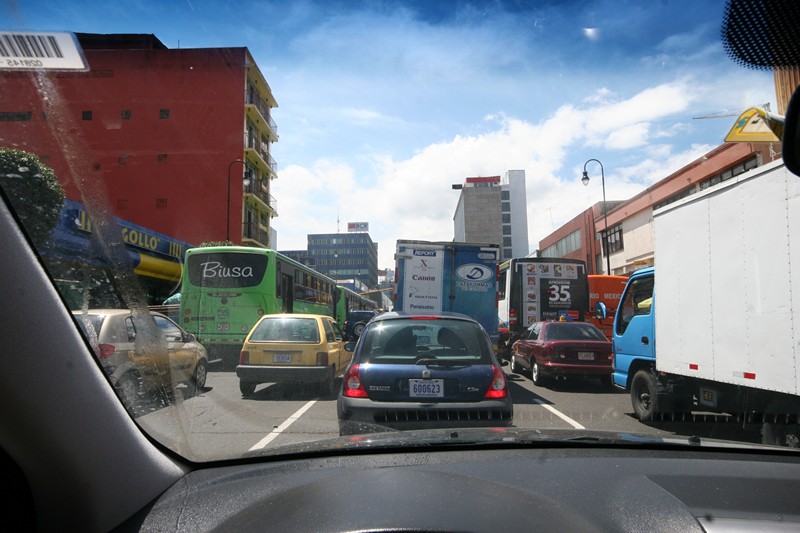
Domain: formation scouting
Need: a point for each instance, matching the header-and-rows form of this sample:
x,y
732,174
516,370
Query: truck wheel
x,y
644,395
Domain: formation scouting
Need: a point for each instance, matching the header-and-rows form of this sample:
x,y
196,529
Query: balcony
x,y
259,191
253,232
258,114
261,149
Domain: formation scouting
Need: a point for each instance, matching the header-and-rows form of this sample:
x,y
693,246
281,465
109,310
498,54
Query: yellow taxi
x,y
292,348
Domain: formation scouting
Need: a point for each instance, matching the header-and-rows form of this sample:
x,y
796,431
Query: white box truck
x,y
715,326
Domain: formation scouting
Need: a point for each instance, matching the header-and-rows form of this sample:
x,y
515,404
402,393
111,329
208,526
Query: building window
x,y
506,241
505,207
125,114
505,195
506,230
86,115
16,117
564,246
163,114
506,218
613,243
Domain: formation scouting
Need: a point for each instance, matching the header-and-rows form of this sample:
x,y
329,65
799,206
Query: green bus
x,y
226,289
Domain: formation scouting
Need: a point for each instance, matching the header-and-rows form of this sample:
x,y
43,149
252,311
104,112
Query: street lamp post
x,y
228,218
585,181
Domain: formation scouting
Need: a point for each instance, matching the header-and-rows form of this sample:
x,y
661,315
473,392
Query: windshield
x,y
408,341
588,138
572,332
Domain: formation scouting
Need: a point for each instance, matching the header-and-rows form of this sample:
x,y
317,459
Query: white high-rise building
x,y
494,210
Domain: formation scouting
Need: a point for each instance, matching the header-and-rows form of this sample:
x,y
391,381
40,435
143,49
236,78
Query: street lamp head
x,y
585,179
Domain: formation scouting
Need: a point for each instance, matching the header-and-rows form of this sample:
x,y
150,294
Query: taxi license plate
x,y
586,356
426,388
282,358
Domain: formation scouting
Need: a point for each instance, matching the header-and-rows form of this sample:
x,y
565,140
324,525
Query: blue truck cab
x,y
634,341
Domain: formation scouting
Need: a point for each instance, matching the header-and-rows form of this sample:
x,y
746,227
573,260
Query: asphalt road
x,y
223,424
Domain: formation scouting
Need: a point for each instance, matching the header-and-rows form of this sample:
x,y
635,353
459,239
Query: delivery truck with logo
x,y
715,326
534,289
435,277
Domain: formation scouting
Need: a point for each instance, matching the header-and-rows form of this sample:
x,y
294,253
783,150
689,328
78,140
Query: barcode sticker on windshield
x,y
40,51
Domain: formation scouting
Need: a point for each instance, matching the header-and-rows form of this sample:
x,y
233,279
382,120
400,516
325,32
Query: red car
x,y
555,350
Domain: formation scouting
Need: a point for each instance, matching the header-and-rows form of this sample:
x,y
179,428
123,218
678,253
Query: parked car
x,y
415,372
555,350
356,321
294,348
140,356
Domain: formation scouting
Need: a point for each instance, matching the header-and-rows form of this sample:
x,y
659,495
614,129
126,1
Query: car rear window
x,y
408,341
300,330
573,332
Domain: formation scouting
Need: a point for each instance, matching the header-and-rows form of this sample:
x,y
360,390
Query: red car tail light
x,y
353,388
244,357
498,387
322,358
107,350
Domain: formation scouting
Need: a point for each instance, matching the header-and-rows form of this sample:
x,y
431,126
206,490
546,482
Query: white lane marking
x,y
280,429
559,414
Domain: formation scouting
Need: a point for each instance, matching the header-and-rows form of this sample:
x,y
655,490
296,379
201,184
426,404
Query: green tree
x,y
33,191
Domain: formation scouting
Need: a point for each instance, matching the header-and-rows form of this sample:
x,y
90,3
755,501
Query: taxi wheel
x,y
327,388
247,388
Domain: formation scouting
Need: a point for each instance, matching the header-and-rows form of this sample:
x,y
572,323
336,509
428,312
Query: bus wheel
x,y
247,387
644,395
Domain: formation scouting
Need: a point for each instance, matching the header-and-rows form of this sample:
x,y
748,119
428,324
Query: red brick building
x,y
175,140
630,240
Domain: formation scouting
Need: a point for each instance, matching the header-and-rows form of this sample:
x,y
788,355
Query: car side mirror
x,y
350,346
600,311
189,337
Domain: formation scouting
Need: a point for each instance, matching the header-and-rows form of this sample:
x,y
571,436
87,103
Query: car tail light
x,y
244,357
498,387
106,350
353,388
322,358
512,317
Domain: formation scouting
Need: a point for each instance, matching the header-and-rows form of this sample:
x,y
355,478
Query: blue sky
x,y
384,105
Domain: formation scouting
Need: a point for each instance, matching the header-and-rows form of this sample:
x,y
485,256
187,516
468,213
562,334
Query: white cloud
x,y
413,199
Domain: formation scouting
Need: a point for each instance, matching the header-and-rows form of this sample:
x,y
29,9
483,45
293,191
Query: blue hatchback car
x,y
418,372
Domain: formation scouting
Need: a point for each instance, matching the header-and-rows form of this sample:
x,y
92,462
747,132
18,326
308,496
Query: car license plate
x,y
282,358
426,388
586,356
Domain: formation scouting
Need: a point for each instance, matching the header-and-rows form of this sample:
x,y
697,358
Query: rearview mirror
x,y
791,134
600,311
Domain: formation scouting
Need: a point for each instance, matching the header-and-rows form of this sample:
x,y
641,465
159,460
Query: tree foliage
x,y
33,191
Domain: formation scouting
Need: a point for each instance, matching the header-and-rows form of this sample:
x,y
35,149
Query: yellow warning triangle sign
x,y
756,125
